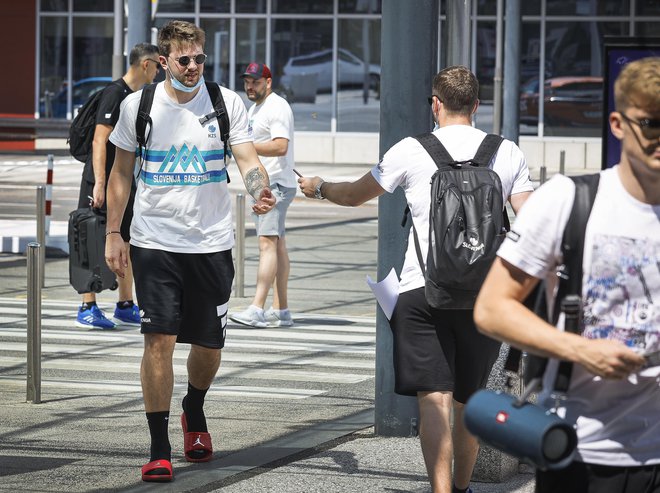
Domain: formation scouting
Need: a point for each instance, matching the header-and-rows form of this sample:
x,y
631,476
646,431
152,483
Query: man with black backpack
x,y
613,392
99,157
182,230
438,354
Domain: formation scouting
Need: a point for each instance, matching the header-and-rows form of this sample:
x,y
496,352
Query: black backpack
x,y
81,131
143,118
467,223
569,291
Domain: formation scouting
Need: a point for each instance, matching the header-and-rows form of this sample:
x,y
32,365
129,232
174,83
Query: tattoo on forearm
x,y
255,181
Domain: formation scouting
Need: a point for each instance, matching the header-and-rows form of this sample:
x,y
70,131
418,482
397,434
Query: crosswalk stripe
x,y
226,371
103,386
285,357
182,354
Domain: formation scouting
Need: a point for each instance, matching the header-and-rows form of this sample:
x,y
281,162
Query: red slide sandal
x,y
196,440
159,471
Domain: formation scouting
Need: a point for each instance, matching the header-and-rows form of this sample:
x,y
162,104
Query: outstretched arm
x,y
345,193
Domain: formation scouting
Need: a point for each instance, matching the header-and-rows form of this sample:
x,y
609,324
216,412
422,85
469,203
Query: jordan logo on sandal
x,y
198,441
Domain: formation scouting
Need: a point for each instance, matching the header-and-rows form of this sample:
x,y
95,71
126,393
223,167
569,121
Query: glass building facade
x,y
325,55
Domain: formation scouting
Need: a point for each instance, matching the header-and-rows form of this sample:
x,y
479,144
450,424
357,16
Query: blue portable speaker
x,y
521,429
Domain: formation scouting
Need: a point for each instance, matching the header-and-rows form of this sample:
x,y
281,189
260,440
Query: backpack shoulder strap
x,y
143,119
436,149
219,113
143,116
487,150
572,244
570,280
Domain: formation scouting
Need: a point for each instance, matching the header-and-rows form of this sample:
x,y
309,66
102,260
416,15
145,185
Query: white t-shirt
x,y
409,166
182,203
269,120
618,421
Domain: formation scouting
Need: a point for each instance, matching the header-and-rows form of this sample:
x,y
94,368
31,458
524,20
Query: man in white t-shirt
x,y
438,354
614,392
270,122
181,234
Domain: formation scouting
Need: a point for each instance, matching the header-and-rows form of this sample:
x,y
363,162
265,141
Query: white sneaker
x,y
278,318
252,316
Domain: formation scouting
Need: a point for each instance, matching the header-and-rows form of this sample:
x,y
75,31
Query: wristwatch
x,y
317,191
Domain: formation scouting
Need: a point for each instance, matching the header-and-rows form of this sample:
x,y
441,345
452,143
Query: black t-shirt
x,y
108,114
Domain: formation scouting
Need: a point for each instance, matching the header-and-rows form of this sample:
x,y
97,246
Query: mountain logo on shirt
x,y
182,159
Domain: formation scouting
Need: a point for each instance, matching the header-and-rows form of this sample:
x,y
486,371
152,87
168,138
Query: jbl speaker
x,y
521,429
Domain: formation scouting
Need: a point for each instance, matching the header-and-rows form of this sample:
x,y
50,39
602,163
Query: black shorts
x,y
579,477
87,190
438,350
184,294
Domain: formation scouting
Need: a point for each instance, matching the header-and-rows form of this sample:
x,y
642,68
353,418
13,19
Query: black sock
x,y
454,489
124,304
160,442
193,406
86,305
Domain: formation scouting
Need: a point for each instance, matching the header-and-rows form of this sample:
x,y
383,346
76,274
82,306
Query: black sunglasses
x,y
650,128
430,99
184,60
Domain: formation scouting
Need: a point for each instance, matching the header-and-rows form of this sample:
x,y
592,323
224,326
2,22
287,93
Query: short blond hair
x,y
638,85
180,34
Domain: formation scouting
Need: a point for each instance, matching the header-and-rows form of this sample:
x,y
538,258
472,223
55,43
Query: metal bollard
x,y
562,161
33,324
49,193
542,174
239,287
41,233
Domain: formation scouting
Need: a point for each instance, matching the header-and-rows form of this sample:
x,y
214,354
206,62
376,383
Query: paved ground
x,y
291,411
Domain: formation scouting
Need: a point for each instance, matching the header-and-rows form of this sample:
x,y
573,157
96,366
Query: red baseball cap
x,y
257,71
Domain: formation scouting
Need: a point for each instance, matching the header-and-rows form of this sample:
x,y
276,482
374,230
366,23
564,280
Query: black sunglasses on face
x,y
650,128
184,60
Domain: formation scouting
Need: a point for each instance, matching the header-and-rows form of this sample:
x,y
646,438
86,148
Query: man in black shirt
x,y
144,66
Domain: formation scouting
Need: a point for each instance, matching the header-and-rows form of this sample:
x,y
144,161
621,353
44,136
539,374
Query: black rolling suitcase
x,y
88,272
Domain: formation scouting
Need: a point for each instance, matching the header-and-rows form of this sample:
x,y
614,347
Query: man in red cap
x,y
270,123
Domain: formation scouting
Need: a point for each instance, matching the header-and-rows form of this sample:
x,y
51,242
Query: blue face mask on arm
x,y
179,86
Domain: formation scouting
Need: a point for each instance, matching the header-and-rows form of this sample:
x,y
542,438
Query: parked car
x,y
575,101
82,91
350,71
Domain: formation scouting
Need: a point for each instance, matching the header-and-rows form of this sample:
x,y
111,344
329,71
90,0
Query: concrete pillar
x,y
408,59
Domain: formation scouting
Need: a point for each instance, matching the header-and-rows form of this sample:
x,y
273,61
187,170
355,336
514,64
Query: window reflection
x,y
216,67
301,49
302,6
360,6
93,5
250,45
573,87
216,5
53,62
176,5
358,76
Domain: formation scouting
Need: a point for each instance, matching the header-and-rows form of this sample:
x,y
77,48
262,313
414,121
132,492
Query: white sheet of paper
x,y
386,292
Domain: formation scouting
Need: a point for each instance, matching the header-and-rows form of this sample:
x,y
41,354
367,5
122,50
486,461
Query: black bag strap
x,y
488,148
570,276
436,150
143,120
219,113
